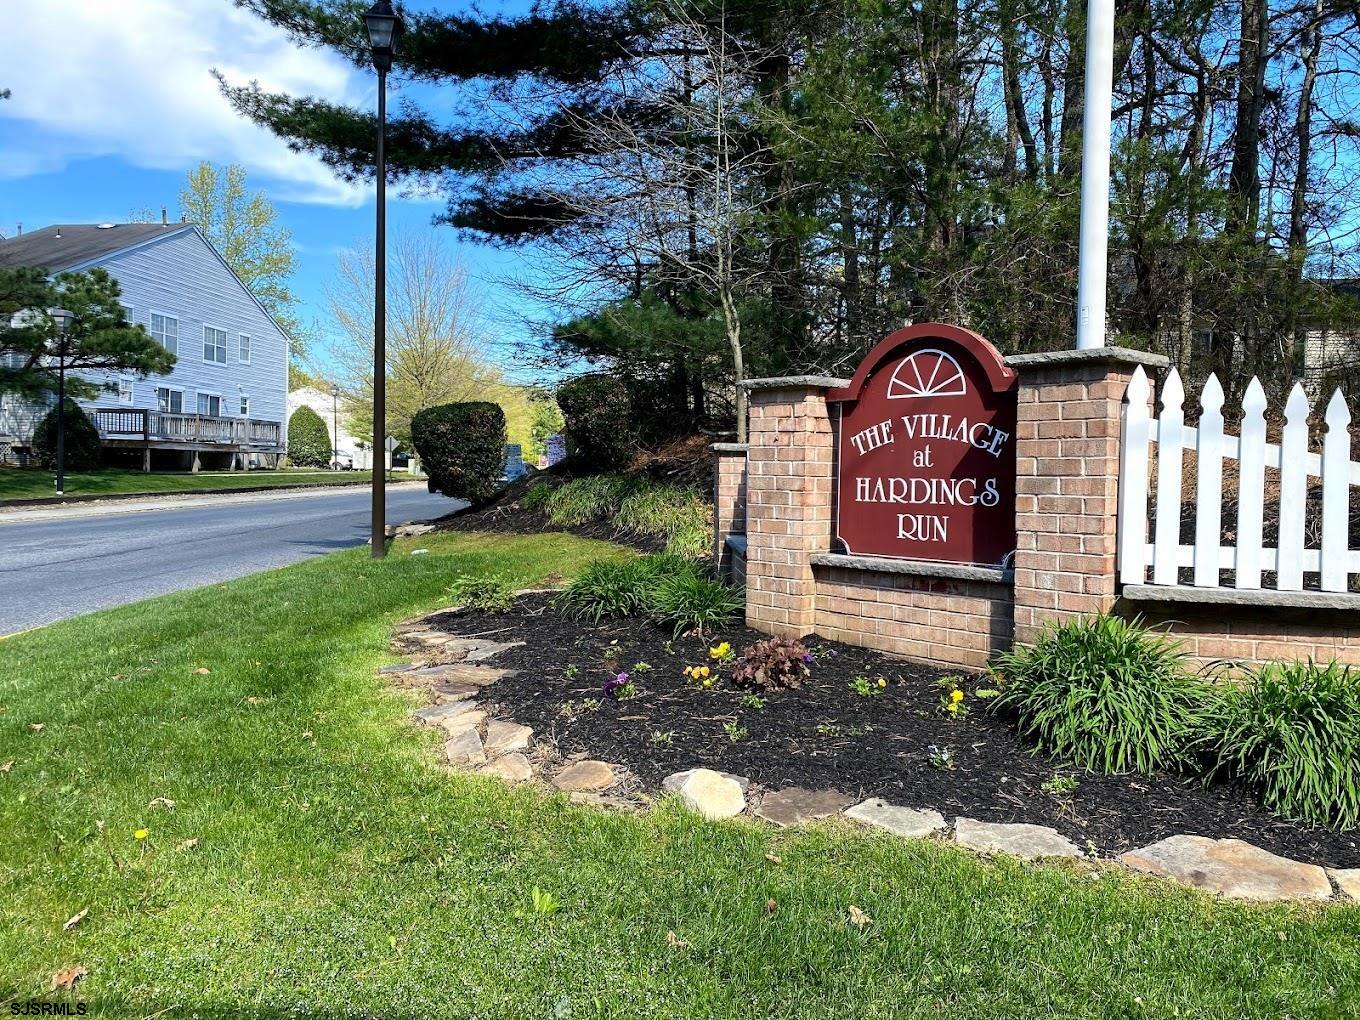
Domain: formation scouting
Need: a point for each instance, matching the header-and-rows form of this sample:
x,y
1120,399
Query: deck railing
x,y
137,423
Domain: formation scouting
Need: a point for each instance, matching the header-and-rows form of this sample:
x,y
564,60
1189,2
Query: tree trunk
x,y
1244,181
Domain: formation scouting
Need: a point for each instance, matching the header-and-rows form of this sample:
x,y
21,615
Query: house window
x,y
169,401
244,350
215,345
165,331
124,391
245,405
209,405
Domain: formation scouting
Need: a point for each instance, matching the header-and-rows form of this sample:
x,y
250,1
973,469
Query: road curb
x,y
120,497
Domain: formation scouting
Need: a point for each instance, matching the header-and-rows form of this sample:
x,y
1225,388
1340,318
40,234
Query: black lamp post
x,y
335,426
384,33
62,318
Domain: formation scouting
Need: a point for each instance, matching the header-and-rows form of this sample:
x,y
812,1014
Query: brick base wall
x,y
944,622
1250,634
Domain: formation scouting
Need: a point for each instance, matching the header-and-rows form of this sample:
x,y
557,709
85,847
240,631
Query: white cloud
x,y
131,79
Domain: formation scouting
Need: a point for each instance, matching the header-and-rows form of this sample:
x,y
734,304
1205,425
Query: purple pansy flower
x,y
613,684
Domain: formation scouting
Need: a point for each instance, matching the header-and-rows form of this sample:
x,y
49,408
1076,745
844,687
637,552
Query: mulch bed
x,y
509,519
826,735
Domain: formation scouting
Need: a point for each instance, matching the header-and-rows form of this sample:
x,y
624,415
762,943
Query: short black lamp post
x,y
62,319
335,426
384,34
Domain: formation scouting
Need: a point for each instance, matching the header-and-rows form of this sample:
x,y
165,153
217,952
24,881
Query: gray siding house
x,y
225,400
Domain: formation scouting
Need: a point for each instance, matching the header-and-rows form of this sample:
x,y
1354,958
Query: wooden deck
x,y
137,429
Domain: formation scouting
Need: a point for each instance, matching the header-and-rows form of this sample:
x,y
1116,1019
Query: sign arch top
x,y
925,449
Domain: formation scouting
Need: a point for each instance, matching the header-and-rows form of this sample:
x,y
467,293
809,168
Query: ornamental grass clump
x,y
1292,732
606,588
1105,694
671,590
689,601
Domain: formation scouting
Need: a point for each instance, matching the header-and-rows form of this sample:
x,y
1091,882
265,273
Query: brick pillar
x,y
788,500
729,499
1067,482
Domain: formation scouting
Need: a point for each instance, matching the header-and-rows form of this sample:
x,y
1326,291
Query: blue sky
x,y
113,102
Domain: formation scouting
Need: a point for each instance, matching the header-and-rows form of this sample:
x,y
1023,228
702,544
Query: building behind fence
x,y
1263,565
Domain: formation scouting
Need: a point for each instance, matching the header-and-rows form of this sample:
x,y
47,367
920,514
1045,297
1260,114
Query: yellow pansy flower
x,y
956,696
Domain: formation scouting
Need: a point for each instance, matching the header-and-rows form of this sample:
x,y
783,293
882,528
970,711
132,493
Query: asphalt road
x,y
53,569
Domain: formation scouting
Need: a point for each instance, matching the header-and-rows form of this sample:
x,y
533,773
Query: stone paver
x,y
434,715
451,672
472,719
488,650
904,821
1347,880
465,749
1020,840
711,794
513,768
454,691
396,667
796,805
1230,867
588,776
673,782
503,735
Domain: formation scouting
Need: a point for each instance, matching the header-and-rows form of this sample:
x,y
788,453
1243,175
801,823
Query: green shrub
x,y
536,497
1293,733
81,444
690,602
599,424
489,593
309,441
1104,694
461,448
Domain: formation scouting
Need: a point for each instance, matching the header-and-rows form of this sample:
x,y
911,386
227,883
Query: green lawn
x,y
339,872
16,483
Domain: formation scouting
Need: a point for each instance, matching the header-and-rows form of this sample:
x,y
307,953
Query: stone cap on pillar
x,y
730,447
795,382
1090,356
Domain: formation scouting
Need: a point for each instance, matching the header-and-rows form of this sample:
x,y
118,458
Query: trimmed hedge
x,y
309,441
82,440
462,448
600,429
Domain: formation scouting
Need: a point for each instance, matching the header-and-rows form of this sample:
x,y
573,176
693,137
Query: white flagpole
x,y
1095,175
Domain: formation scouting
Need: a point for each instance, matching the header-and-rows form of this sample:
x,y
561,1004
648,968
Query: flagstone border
x,y
454,671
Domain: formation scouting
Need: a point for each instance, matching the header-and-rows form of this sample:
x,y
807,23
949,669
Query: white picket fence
x,y
1156,542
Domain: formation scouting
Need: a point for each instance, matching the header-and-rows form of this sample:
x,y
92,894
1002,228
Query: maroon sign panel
x,y
926,450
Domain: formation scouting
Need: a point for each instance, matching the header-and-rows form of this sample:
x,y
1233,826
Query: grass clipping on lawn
x,y
318,860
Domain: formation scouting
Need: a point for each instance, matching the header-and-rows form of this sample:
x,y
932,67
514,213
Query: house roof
x,y
63,246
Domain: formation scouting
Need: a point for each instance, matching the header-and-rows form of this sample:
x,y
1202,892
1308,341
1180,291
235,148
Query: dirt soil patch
x,y
825,735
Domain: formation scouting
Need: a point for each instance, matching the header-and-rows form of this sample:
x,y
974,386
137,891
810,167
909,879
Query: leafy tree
x,y
546,421
309,441
875,163
435,339
244,227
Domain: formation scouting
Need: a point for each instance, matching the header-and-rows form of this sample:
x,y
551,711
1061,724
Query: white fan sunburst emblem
x,y
927,373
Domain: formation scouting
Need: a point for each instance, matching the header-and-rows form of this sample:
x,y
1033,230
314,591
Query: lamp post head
x,y
62,318
335,391
384,33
